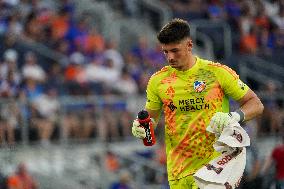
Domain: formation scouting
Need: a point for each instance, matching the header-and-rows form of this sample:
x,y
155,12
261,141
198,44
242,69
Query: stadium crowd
x,y
96,66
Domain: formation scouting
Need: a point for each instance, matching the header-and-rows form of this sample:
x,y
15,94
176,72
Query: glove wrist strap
x,y
242,115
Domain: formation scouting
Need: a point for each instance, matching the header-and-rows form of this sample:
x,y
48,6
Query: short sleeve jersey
x,y
189,100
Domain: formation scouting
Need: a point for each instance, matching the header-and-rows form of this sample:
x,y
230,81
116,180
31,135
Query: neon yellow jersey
x,y
189,100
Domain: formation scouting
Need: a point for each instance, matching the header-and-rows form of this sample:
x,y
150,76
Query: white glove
x,y
138,130
221,120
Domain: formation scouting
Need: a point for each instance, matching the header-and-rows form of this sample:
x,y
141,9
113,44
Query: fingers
x,y
135,123
137,130
218,121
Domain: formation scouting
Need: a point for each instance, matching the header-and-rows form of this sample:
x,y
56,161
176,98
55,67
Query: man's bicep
x,y
249,95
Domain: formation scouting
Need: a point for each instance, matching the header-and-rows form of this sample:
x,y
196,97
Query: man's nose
x,y
170,57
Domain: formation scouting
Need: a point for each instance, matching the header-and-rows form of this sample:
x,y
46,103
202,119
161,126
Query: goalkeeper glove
x,y
221,120
138,130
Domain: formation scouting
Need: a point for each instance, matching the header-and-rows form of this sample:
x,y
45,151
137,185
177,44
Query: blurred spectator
x,y
94,43
123,182
107,124
246,20
60,24
9,42
248,43
62,46
126,85
77,34
272,118
44,114
88,124
124,118
279,39
261,20
106,73
141,49
14,26
9,69
271,7
279,18
142,82
233,10
188,9
112,162
9,117
32,28
156,59
112,52
133,66
32,69
75,76
276,159
22,179
71,125
9,87
216,10
55,78
31,89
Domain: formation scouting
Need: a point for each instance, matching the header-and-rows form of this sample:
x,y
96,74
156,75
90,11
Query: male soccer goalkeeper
x,y
192,92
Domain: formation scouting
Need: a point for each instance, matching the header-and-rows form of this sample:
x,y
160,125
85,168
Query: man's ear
x,y
189,44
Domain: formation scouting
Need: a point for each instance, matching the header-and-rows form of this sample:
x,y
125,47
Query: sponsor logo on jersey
x,y
199,86
172,107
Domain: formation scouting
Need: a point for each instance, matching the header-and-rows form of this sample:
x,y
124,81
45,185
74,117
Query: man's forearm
x,y
252,108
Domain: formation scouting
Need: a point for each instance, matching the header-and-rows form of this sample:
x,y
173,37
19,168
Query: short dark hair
x,y
174,31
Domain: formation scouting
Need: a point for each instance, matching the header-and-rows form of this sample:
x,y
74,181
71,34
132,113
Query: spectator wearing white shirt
x,y
126,85
31,69
112,53
10,57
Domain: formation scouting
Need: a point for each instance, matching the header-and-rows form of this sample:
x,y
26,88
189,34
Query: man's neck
x,y
191,62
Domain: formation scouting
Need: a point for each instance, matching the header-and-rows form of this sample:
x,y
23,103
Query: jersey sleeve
x,y
231,83
153,100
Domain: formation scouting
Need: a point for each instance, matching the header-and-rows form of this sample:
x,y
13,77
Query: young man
x,y
192,92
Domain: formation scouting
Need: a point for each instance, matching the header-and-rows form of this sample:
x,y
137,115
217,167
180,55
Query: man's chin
x,y
174,66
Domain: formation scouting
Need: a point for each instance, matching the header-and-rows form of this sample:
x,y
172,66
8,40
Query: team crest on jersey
x,y
199,86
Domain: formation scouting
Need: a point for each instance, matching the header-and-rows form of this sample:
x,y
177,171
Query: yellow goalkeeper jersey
x,y
189,100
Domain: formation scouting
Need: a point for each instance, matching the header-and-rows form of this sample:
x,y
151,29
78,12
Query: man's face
x,y
178,54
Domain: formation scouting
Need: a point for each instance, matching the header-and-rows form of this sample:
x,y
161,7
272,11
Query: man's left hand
x,y
221,120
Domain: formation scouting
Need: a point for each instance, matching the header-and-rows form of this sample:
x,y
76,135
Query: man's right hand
x,y
137,130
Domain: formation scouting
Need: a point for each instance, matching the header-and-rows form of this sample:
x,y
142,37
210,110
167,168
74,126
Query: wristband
x,y
242,115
